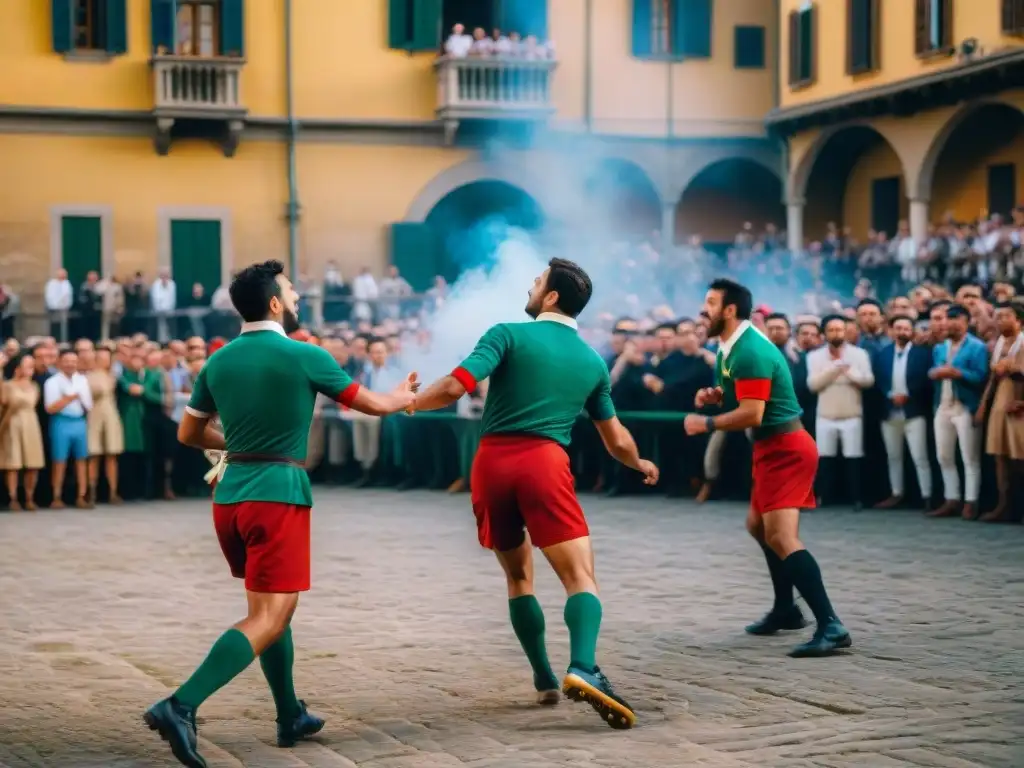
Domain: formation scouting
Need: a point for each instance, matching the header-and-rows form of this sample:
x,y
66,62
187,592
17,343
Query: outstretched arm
x,y
488,354
328,378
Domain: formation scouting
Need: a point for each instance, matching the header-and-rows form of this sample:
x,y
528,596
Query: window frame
x,y
797,56
874,39
94,27
924,48
195,36
1012,22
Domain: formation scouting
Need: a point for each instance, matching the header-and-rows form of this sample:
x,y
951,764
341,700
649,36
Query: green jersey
x,y
542,374
263,385
750,366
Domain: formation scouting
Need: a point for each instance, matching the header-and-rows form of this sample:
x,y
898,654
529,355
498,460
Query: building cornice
x,y
974,77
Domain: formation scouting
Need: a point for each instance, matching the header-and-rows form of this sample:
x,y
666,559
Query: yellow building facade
x,y
899,112
202,135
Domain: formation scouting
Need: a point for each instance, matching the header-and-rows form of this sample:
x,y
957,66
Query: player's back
x,y
546,377
264,393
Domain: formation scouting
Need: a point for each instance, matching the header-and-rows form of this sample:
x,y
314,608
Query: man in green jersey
x,y
755,387
541,376
262,386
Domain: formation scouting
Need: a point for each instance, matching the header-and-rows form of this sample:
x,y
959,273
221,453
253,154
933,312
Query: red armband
x,y
465,378
754,389
348,394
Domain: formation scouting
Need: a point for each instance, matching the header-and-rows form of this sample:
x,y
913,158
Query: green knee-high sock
x,y
227,659
583,617
277,663
528,623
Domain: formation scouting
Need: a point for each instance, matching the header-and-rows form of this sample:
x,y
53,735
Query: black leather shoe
x,y
826,641
777,622
176,724
299,727
594,688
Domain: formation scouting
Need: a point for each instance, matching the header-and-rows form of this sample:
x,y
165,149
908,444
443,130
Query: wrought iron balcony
x,y
493,88
192,86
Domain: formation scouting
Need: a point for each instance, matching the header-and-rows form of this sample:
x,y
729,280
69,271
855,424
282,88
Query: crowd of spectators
x,y
957,404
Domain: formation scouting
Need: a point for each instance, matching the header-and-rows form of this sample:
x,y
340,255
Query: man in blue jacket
x,y
902,378
959,370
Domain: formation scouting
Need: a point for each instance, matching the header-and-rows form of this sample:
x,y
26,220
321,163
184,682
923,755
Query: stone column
x,y
919,219
795,225
668,226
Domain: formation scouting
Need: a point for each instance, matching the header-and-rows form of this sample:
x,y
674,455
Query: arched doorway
x,y
622,201
471,221
726,195
975,167
854,180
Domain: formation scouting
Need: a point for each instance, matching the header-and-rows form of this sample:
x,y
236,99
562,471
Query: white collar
x,y
263,325
726,346
554,317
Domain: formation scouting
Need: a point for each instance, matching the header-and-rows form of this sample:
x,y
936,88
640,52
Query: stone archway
x,y
466,173
852,177
620,197
725,194
957,174
471,221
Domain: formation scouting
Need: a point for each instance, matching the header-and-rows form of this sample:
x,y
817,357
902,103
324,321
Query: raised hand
x,y
708,396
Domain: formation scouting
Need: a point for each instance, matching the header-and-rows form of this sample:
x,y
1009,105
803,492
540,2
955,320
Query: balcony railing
x,y
194,86
493,88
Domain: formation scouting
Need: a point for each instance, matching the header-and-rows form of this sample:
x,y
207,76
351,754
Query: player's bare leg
x,y
782,535
573,562
528,619
784,614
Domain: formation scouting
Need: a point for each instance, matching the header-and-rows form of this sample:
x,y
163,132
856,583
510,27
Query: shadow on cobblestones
x,y
404,646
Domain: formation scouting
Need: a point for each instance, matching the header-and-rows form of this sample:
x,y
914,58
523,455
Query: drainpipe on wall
x,y
588,85
293,132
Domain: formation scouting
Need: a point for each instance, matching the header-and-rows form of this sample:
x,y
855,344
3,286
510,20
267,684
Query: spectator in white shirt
x,y
482,44
838,373
58,295
68,399
458,43
163,300
364,291
393,287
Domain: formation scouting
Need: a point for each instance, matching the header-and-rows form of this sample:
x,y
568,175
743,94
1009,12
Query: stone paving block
x,y
404,645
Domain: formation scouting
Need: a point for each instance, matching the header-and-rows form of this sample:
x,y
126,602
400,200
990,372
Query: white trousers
x,y
365,439
914,431
831,434
955,425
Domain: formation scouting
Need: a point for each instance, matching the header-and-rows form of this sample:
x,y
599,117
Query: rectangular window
x,y
662,13
81,239
89,25
197,28
749,48
933,27
415,25
1002,188
862,42
802,38
1013,17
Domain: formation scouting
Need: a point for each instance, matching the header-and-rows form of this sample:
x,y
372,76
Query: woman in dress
x,y
106,434
21,439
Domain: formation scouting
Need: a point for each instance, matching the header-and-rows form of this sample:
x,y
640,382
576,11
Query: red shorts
x,y
784,470
524,482
266,543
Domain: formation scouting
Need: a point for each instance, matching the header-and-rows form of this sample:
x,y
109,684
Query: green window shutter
x,y
642,27
116,27
162,25
426,25
399,24
81,239
63,26
527,17
692,28
232,28
195,256
750,52
414,250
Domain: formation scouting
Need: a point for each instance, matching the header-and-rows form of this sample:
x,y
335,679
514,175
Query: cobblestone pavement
x,y
404,644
